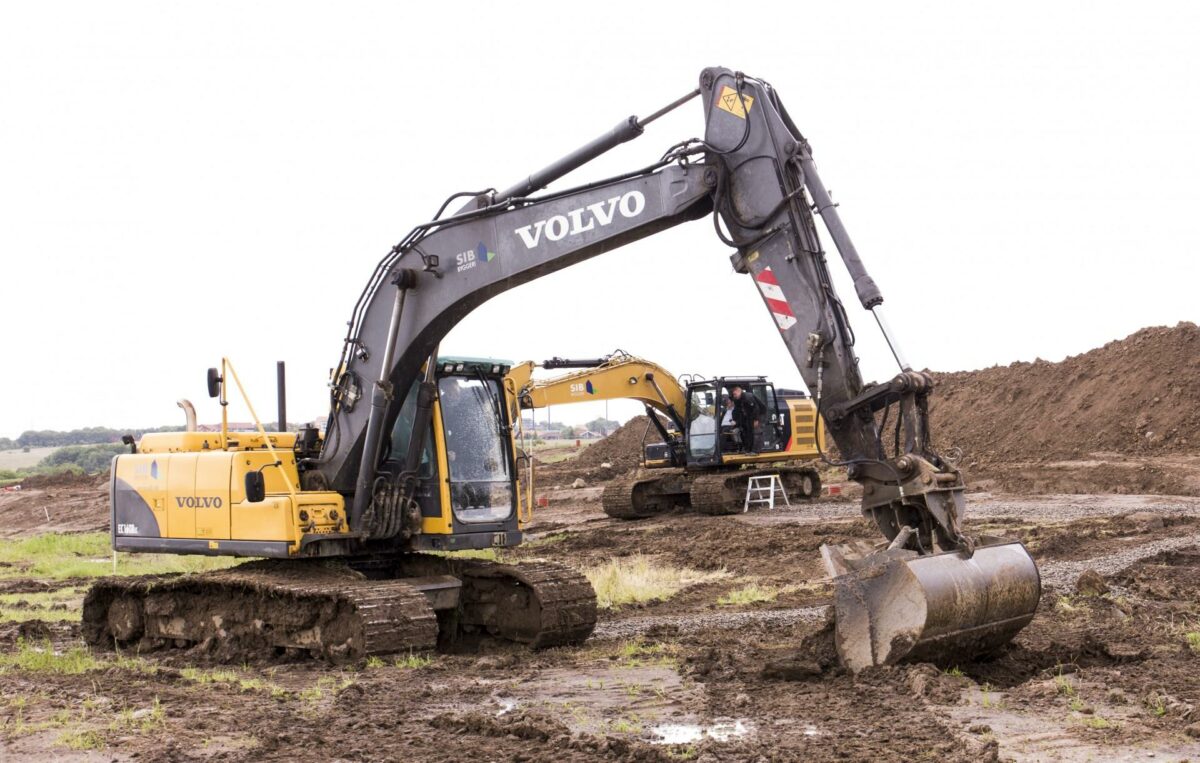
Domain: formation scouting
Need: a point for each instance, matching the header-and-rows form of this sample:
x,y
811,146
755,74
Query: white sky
x,y
182,181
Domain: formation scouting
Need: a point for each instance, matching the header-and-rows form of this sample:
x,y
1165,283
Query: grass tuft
x,y
635,579
1193,641
413,661
750,594
43,659
81,740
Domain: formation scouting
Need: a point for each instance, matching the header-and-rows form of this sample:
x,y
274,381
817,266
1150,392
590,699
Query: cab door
x,y
703,425
773,435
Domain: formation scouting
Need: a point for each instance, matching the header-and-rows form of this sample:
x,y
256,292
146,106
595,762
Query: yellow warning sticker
x,y
728,100
752,257
212,544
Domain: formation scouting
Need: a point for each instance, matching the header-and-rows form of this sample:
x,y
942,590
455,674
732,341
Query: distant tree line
x,y
51,438
92,459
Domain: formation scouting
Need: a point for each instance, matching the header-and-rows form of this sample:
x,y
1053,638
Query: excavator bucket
x,y
942,607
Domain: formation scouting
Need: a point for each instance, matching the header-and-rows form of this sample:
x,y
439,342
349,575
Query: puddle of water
x,y
686,733
506,707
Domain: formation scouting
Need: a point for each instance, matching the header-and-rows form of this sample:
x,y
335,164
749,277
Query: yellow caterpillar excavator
x,y
706,457
417,454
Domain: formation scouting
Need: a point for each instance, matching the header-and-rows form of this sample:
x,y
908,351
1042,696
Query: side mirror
x,y
256,487
214,383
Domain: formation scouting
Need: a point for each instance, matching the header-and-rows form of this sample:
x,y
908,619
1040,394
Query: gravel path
x,y
1064,574
723,621
1054,508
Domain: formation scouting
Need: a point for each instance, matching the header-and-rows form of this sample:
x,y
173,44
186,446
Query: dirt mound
x,y
64,479
621,450
1138,395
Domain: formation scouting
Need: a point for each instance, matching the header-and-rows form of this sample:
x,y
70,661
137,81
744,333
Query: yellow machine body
x,y
184,492
628,377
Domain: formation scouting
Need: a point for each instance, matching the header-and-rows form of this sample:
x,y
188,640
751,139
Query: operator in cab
x,y
747,414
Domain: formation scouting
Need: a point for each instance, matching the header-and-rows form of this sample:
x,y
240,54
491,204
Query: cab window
x,y
476,451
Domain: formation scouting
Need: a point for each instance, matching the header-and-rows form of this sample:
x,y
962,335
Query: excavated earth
x,y
1106,671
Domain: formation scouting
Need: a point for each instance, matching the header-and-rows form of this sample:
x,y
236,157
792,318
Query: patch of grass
x,y
81,740
1064,686
750,594
1076,704
227,677
375,661
80,555
1157,705
411,660
684,753
325,686
141,721
636,654
635,579
1096,722
954,672
1193,641
626,726
545,540
486,554
61,605
43,659
1064,605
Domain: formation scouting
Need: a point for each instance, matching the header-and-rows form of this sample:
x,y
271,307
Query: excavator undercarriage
x,y
334,612
650,492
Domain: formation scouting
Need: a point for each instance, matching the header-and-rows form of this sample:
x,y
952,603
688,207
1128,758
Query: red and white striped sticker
x,y
776,302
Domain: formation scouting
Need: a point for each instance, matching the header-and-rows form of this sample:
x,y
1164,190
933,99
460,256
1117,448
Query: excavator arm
x,y
618,376
753,169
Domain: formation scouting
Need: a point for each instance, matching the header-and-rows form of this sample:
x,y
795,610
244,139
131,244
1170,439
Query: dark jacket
x,y
747,409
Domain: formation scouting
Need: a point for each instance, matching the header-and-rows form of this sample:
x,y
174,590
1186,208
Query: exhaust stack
x,y
189,411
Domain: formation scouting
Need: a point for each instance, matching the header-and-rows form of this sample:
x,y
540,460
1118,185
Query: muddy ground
x,y
1105,671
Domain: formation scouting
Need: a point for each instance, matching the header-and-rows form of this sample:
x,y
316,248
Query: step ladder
x,y
762,488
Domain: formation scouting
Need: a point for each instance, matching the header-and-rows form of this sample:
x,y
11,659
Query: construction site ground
x,y
1106,671
738,665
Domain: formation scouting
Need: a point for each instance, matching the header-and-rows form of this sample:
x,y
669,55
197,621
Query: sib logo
x,y
468,259
582,388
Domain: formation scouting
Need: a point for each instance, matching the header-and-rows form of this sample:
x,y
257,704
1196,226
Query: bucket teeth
x,y
940,607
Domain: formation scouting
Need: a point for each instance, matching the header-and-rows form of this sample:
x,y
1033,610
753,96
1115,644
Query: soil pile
x,y
1136,396
621,450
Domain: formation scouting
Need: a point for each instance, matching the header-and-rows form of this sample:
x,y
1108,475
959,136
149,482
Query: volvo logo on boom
x,y
577,221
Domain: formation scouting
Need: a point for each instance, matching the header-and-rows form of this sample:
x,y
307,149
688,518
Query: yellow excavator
x,y
417,453
705,457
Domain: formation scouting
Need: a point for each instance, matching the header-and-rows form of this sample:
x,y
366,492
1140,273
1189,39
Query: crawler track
x,y
539,604
725,492
261,609
645,495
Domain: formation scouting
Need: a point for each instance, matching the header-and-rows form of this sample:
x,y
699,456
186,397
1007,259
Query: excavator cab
x,y
467,491
786,423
